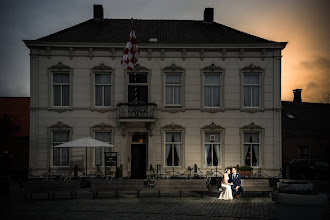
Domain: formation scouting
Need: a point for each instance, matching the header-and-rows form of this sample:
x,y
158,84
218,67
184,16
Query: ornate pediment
x,y
102,126
212,68
138,68
173,68
212,126
173,126
60,125
252,126
102,67
252,67
60,66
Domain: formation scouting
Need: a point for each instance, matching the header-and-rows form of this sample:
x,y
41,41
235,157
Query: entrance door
x,y
138,161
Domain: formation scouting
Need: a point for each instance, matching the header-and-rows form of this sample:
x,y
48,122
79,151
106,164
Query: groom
x,y
235,178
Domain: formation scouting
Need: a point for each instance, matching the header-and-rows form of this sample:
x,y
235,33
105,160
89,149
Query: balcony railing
x,y
136,110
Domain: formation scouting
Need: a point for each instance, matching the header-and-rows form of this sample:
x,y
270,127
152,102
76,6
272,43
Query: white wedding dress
x,y
226,193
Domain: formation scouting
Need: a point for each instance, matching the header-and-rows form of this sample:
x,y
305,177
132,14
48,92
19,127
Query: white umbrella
x,y
85,142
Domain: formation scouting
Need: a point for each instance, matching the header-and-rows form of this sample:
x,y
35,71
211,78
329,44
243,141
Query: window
x,y
61,89
251,149
212,88
60,154
212,149
251,88
99,151
102,86
173,146
140,83
303,152
173,90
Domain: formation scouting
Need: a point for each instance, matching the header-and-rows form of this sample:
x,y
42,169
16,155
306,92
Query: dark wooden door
x,y
138,161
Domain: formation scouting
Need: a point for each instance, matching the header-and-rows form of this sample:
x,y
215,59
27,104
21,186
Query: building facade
x,y
203,94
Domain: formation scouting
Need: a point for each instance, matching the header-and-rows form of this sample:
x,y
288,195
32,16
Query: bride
x,y
226,193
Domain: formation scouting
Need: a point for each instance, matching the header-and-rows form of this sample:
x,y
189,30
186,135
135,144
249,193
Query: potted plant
x,y
244,170
298,200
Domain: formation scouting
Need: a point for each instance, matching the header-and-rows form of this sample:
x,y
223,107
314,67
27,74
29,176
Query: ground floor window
x,y
173,147
212,148
99,151
251,149
60,154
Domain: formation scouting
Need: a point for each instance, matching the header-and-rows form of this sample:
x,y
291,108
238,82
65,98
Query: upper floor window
x,y
138,87
102,88
212,149
303,152
60,154
251,86
61,89
173,148
173,90
251,148
104,136
212,89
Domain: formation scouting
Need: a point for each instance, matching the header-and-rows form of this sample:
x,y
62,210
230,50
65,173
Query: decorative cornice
x,y
263,54
212,126
60,125
149,126
149,54
173,110
91,52
102,67
252,110
48,50
173,68
60,66
60,110
103,110
213,110
241,54
252,126
173,126
213,68
224,54
102,126
252,67
162,54
123,129
184,54
113,50
138,68
70,52
202,51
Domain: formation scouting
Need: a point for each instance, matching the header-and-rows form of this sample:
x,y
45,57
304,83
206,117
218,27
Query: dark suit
x,y
236,180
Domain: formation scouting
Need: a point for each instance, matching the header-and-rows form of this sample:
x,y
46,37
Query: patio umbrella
x,y
85,142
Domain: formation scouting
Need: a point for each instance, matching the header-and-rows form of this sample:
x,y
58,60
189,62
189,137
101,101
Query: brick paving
x,y
148,206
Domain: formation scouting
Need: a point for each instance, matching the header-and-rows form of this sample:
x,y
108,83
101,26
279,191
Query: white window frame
x,y
182,149
143,72
260,73
94,151
51,88
261,146
94,107
170,107
51,151
212,108
303,148
220,164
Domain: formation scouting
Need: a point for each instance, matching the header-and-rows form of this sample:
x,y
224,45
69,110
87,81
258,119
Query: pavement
x,y
148,206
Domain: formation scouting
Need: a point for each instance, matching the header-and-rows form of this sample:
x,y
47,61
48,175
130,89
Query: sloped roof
x,y
17,110
308,117
166,32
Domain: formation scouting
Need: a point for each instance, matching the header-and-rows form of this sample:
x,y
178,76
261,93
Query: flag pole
x,y
135,88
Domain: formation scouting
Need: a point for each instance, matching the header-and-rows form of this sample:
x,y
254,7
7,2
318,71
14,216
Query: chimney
x,y
98,12
297,96
208,15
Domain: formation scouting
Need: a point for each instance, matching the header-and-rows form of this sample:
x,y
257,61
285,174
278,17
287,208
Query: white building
x,y
209,95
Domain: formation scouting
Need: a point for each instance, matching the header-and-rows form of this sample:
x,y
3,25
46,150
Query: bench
x,y
180,185
51,187
116,185
5,182
256,185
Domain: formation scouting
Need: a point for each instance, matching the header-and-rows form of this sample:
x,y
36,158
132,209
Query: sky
x,y
303,23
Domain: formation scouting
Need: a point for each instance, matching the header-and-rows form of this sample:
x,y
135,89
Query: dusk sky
x,y
303,23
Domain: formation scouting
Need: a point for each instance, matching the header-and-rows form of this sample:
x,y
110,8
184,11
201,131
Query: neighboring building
x,y
305,130
208,95
14,135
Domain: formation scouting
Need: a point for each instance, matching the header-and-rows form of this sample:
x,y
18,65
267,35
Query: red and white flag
x,y
131,52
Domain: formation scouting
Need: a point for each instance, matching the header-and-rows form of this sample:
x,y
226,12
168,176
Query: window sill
x,y
213,109
103,109
60,109
173,109
252,110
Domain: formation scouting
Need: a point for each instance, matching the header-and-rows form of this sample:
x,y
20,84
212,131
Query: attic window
x,y
290,116
153,40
